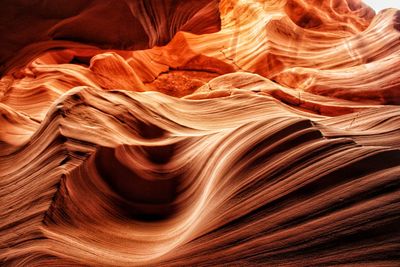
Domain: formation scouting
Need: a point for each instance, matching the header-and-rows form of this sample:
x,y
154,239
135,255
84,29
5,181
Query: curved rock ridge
x,y
121,178
199,133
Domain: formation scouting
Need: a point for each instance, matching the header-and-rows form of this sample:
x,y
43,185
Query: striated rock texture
x,y
199,133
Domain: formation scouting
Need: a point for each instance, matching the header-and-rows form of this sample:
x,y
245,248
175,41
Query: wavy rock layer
x,y
272,141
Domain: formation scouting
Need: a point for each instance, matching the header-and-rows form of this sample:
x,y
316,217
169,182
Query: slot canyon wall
x,y
199,133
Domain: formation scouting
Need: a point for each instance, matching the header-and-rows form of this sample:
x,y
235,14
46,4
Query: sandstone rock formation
x,y
199,133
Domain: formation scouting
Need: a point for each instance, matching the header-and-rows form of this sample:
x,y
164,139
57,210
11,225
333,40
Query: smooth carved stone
x,y
199,133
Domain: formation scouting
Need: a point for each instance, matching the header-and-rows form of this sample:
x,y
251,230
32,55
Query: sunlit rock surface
x,y
199,133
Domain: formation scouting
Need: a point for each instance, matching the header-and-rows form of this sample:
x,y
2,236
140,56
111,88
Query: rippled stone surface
x,y
199,133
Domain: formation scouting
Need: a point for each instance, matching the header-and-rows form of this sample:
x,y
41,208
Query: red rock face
x,y
199,133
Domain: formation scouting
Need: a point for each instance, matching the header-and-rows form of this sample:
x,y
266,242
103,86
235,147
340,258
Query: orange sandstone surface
x,y
199,133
